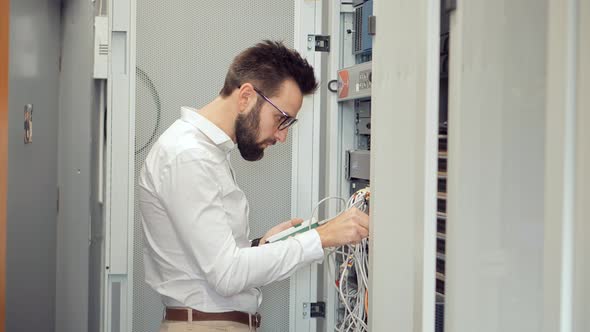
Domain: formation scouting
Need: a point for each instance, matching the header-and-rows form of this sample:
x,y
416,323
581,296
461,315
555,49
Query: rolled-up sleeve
x,y
192,197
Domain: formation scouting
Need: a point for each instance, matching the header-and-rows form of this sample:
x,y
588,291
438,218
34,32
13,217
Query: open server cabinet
x,y
166,55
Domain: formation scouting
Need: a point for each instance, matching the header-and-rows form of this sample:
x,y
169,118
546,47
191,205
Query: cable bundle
x,y
352,281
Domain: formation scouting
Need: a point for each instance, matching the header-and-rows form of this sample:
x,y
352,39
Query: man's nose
x,y
281,135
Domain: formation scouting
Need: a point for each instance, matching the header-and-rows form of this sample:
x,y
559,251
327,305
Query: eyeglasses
x,y
288,120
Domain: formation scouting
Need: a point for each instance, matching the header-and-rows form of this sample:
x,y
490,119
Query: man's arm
x,y
349,227
277,229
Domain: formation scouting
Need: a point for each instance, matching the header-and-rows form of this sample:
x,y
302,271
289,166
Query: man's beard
x,y
247,128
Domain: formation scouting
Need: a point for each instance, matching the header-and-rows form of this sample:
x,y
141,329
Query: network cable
x,y
352,280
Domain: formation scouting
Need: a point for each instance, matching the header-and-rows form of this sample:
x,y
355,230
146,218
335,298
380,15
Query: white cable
x,y
319,203
353,299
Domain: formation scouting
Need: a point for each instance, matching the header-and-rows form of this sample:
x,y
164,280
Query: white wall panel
x,y
495,225
404,118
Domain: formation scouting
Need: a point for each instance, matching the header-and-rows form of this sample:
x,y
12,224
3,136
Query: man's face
x,y
257,128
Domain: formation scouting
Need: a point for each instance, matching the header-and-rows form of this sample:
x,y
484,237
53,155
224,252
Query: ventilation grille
x,y
184,52
103,49
358,29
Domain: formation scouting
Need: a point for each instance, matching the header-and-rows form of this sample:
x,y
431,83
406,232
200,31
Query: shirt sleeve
x,y
192,198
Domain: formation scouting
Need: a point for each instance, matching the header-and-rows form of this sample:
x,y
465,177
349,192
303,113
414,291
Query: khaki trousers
x,y
204,326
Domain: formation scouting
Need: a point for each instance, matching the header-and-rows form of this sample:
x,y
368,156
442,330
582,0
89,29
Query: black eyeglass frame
x,y
288,120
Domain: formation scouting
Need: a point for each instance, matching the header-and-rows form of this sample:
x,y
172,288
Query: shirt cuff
x,y
312,246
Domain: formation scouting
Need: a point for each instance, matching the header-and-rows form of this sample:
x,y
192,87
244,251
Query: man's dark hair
x,y
267,65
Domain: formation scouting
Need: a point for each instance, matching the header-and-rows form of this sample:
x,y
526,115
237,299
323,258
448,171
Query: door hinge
x,y
318,43
450,5
372,25
314,310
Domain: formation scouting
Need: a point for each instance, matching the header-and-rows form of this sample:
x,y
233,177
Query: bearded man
x,y
195,217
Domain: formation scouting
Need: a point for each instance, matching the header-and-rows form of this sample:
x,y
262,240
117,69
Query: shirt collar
x,y
214,133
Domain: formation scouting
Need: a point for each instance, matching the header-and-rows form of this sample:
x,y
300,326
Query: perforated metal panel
x,y
184,48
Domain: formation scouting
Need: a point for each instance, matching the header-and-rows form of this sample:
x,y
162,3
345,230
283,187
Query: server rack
x,y
354,97
443,133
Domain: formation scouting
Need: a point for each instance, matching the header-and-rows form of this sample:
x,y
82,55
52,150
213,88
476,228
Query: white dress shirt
x,y
195,223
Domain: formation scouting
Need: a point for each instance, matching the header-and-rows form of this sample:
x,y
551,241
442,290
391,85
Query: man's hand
x,y
279,228
349,227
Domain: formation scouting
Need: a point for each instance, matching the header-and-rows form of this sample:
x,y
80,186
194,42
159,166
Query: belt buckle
x,y
257,319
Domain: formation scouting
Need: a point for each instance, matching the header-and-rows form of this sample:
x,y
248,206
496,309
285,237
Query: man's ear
x,y
246,97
